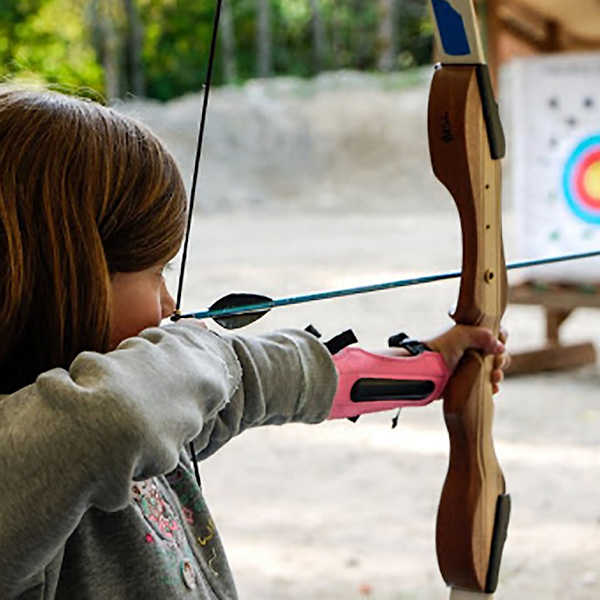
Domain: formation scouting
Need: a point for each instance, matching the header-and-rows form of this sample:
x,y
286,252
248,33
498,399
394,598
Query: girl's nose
x,y
166,302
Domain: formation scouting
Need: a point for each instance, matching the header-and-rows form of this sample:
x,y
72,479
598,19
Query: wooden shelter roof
x,y
580,19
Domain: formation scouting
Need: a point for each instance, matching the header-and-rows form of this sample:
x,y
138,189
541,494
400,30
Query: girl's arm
x,y
76,439
288,376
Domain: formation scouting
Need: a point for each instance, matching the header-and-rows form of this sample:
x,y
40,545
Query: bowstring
x,y
195,178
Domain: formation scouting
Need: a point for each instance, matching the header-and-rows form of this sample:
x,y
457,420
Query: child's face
x,y
138,300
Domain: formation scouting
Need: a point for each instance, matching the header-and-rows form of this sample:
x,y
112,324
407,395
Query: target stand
x,y
559,302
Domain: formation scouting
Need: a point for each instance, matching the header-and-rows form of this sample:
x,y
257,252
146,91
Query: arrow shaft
x,y
365,289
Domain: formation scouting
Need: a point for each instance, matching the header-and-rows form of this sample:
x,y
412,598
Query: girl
x,y
97,403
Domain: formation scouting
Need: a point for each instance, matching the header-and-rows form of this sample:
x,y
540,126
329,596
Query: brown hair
x,y
84,192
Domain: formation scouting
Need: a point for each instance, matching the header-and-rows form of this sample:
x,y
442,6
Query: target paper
x,y
551,112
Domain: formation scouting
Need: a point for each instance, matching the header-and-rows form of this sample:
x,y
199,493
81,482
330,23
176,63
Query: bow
x,y
466,145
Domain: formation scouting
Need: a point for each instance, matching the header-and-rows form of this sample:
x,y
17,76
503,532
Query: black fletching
x,y
240,320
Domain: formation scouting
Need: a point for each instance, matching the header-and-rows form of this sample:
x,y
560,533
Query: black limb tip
x,y
491,113
499,537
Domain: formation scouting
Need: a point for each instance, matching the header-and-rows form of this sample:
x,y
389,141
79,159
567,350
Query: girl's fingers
x,y
497,376
484,340
502,361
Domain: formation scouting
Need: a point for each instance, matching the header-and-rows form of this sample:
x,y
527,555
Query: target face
x,y
581,180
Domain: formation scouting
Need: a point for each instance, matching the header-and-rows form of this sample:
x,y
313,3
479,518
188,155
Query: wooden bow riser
x,y
462,161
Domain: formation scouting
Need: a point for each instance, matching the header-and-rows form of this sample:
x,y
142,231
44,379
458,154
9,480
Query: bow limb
x,y
466,144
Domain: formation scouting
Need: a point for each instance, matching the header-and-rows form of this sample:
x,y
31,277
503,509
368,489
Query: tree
x,y
264,55
105,31
318,35
134,39
228,43
387,42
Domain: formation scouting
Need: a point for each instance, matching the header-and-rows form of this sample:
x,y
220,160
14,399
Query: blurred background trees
x,y
158,48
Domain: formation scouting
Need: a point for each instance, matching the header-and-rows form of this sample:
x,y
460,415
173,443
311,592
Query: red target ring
x,y
581,180
589,198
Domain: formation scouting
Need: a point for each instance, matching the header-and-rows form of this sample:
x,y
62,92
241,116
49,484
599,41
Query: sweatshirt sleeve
x,y
76,439
288,376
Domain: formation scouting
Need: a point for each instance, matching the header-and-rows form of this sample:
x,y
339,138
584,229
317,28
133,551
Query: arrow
x,y
238,310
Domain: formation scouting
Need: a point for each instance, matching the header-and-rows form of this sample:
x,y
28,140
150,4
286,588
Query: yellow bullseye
x,y
591,181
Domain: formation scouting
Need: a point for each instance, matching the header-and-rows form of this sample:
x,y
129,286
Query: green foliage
x,y
36,49
416,36
176,45
60,41
14,17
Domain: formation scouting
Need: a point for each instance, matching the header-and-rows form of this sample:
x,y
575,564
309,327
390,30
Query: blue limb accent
x,y
452,29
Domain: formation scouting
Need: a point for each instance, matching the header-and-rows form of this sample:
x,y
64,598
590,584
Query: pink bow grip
x,y
369,383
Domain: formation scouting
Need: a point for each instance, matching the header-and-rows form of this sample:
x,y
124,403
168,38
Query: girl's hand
x,y
453,343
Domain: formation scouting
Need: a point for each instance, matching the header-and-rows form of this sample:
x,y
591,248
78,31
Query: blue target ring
x,y
580,163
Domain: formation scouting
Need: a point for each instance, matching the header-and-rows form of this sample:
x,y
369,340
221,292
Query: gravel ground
x,y
341,511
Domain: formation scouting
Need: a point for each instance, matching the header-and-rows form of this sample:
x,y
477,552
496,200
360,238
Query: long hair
x,y
84,192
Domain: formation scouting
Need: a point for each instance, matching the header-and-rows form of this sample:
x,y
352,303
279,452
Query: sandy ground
x,y
298,196
341,511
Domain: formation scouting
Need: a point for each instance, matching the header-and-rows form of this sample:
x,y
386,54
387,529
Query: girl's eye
x,y
165,269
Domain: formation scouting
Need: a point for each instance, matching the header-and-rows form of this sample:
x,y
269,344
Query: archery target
x,y
581,180
551,113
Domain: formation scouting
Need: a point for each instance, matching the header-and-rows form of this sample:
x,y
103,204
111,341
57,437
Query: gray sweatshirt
x,y
97,495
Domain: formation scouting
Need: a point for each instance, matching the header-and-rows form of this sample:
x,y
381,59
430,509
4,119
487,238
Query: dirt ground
x,y
341,511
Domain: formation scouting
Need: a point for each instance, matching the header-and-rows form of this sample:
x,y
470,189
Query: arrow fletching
x,y
255,307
